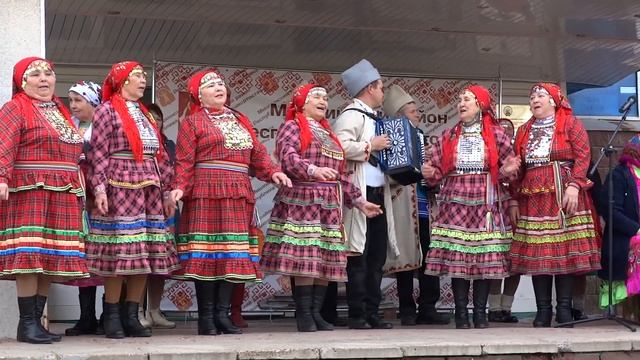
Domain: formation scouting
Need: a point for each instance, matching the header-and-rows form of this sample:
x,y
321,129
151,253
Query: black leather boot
x,y
542,291
460,289
303,296
206,292
100,328
318,299
112,324
87,324
223,305
130,322
480,296
41,301
564,292
29,328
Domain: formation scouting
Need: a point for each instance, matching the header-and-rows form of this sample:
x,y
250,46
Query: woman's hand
x,y
102,204
570,200
511,167
280,178
514,215
324,174
4,191
428,171
176,195
370,209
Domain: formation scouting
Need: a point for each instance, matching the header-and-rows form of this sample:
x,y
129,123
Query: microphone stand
x,y
608,150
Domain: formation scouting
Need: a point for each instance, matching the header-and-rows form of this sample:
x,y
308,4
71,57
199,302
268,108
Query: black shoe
x,y
41,301
408,320
480,296
433,318
542,289
131,323
578,314
223,306
496,316
303,296
358,324
112,323
507,317
377,323
29,327
564,291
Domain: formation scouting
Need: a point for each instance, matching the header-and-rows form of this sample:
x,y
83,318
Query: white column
x,y
22,35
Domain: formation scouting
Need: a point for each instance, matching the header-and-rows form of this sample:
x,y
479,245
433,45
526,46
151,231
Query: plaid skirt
x,y
133,238
462,246
217,240
42,232
543,245
305,235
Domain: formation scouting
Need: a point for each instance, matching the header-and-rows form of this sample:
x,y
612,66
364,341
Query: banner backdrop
x,y
263,96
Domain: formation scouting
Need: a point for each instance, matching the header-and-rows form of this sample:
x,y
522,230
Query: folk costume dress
x,y
42,226
305,236
470,235
215,150
133,237
555,153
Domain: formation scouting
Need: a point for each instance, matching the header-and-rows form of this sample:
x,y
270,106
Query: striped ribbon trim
x,y
46,165
223,165
128,155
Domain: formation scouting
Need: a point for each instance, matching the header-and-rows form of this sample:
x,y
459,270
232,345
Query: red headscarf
x,y
451,138
111,91
193,85
563,111
294,112
26,105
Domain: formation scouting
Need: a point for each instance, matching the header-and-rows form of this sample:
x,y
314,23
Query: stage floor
x,y
278,339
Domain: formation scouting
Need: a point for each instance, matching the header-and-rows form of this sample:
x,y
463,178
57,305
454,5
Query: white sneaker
x,y
159,321
143,320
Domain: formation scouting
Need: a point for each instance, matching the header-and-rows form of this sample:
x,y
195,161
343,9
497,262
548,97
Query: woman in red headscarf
x,y
470,236
218,243
41,194
305,238
130,176
555,233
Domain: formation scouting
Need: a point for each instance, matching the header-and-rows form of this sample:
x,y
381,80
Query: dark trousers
x,y
364,272
429,284
329,309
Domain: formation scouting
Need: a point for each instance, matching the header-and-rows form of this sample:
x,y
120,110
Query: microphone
x,y
627,104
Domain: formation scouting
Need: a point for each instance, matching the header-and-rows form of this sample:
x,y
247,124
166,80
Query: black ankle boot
x,y
303,296
41,301
460,289
206,292
112,323
542,291
319,292
87,324
564,292
223,305
480,296
130,322
29,329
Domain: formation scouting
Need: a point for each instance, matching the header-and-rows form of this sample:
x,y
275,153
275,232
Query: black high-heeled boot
x,y
460,289
29,329
206,292
41,301
87,324
112,323
480,296
130,322
564,293
319,292
542,291
223,305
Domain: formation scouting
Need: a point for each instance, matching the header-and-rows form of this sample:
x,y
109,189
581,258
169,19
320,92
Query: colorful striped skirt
x,y
305,236
133,237
217,239
546,241
42,227
469,239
